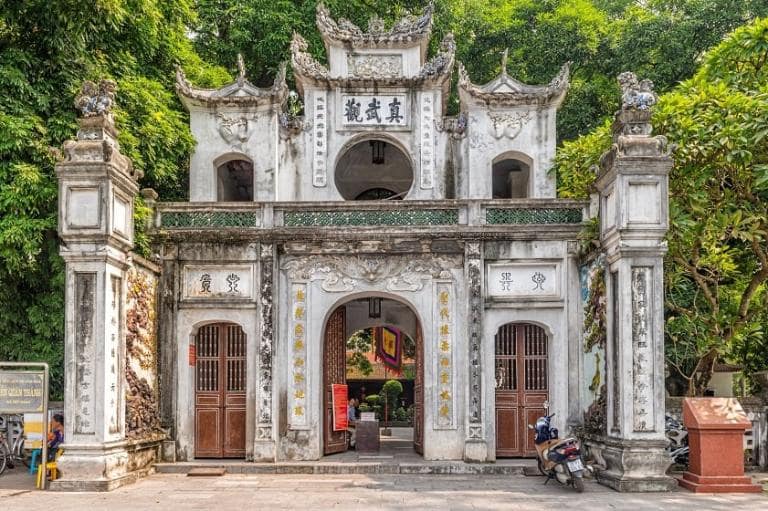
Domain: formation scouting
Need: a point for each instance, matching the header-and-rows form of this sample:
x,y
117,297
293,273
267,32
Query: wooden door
x,y
334,371
220,379
522,383
418,396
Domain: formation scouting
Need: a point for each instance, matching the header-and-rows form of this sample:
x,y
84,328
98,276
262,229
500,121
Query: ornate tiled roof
x,y
506,91
241,92
408,31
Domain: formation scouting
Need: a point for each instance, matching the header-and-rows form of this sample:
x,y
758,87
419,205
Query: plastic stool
x,y
36,453
48,467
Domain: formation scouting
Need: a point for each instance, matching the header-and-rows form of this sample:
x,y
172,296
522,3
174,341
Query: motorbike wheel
x,y
578,483
3,459
540,464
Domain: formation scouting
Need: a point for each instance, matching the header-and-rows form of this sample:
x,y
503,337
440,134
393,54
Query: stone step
x,y
372,467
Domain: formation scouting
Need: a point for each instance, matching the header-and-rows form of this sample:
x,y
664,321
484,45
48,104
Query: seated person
x,y
55,439
351,419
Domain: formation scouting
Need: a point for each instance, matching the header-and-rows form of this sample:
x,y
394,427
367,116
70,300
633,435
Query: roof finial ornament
x,y
240,70
504,57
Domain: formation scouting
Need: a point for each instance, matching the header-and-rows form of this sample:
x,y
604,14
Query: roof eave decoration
x,y
240,93
408,31
506,91
307,70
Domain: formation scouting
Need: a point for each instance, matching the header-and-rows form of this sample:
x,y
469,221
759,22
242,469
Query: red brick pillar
x,y
716,437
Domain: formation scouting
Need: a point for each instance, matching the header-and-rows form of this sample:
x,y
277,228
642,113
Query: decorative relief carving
x,y
642,349
445,389
474,281
476,139
320,133
370,66
407,29
298,381
266,343
344,273
508,124
427,141
233,129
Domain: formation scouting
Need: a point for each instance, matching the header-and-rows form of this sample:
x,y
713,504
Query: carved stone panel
x,y
320,136
474,271
642,349
85,353
427,144
523,280
298,379
112,373
83,207
266,343
346,273
217,282
374,66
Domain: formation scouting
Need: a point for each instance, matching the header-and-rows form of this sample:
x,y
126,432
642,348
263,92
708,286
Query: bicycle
x,y
11,454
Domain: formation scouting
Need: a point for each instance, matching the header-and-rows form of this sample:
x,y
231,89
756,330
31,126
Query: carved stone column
x,y
633,187
96,189
264,445
475,446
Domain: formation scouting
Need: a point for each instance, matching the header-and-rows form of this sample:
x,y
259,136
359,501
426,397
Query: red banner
x,y
340,402
389,348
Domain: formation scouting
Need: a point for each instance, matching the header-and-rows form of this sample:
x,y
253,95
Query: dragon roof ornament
x,y
240,93
506,91
408,30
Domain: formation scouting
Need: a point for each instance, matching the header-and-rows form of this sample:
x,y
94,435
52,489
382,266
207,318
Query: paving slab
x,y
369,492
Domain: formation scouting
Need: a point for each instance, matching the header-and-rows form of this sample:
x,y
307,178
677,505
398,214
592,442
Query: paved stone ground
x,y
237,492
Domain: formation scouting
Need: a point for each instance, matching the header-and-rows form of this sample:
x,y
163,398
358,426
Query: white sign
x,y
374,110
218,282
534,280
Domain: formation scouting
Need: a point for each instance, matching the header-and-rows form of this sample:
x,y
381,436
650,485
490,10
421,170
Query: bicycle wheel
x,y
3,459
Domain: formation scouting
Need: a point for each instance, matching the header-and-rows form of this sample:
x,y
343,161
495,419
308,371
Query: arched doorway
x,y
391,317
374,169
522,386
220,384
510,177
234,180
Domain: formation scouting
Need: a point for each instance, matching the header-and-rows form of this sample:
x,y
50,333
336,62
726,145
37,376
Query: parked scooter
x,y
678,448
558,458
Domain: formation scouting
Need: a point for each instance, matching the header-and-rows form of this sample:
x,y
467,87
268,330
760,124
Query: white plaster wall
x,y
212,149
536,140
188,320
297,182
439,444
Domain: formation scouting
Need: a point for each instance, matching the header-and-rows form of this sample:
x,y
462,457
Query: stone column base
x,y
632,465
264,451
104,467
476,451
719,484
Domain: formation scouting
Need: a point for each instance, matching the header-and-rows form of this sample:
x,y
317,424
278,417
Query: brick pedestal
x,y
716,437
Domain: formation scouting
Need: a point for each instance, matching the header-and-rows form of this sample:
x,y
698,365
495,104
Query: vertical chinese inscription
x,y
444,399
112,373
264,430
615,358
85,352
298,397
474,281
427,141
320,140
642,349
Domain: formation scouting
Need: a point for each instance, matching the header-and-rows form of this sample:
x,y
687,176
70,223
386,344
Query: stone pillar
x,y
476,445
633,187
96,189
264,445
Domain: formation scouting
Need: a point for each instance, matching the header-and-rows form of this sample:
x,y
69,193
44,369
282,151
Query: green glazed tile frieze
x,y
197,219
533,216
368,218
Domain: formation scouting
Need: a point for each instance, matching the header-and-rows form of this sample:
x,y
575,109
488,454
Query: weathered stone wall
x,y
594,335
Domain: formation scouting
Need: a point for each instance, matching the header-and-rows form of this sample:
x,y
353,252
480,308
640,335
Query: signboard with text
x,y
21,391
387,110
523,280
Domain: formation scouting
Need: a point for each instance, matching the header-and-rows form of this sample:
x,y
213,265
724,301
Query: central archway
x,y
373,169
388,316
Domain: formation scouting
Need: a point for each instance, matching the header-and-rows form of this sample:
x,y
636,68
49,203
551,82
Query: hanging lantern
x,y
374,307
377,152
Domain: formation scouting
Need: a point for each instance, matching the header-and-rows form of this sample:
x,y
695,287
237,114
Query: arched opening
x,y
234,180
510,178
522,386
219,356
368,342
374,169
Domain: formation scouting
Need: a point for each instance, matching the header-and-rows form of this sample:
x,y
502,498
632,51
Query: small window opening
x,y
510,179
235,181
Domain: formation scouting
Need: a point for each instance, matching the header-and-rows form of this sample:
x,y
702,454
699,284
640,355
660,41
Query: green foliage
x,y
391,391
359,344
373,399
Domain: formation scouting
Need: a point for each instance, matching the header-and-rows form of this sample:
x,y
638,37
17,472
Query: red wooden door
x,y
418,396
334,371
521,387
220,378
